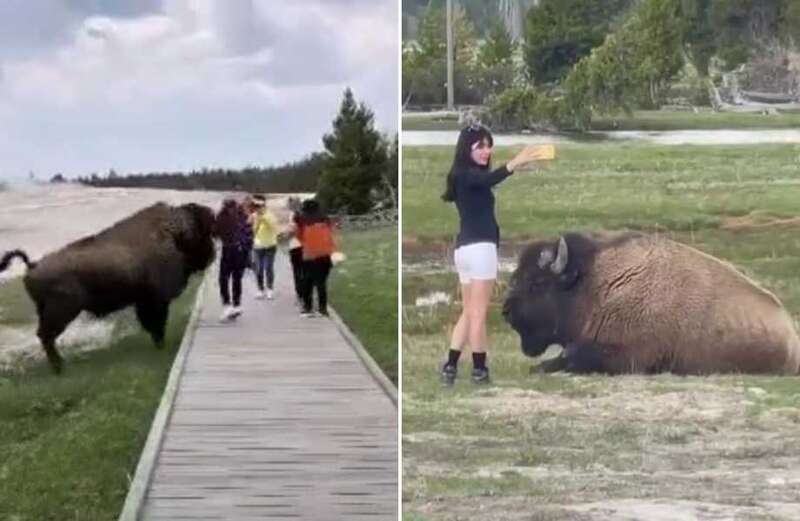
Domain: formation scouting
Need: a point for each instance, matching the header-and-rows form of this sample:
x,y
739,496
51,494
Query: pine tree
x,y
390,177
699,33
355,162
498,49
425,66
559,33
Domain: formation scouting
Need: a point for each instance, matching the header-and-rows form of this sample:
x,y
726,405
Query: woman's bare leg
x,y
458,339
459,336
480,297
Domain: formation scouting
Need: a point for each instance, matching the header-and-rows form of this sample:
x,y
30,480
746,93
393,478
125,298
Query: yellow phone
x,y
547,151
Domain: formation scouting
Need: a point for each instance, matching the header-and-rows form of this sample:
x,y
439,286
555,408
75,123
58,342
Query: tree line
x,y
298,176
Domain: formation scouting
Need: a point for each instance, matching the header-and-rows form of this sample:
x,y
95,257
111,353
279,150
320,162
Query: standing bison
x,y
144,261
635,303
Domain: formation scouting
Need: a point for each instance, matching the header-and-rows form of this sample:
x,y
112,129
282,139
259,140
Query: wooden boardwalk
x,y
275,417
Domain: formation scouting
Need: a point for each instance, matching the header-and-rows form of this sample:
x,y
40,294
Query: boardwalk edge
x,y
369,363
144,470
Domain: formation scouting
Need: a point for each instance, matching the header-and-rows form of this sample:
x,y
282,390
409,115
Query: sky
x,y
175,85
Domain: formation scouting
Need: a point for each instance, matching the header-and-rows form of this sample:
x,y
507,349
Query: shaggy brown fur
x,y
144,260
639,303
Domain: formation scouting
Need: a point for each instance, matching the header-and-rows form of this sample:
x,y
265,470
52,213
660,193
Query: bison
x,y
144,260
637,303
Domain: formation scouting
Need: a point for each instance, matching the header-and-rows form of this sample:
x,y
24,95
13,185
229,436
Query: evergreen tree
x,y
391,176
356,160
790,22
655,35
498,49
432,37
699,33
558,33
425,64
633,67
496,70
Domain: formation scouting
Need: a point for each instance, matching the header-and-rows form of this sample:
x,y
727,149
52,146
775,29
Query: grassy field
x,y
69,444
649,120
552,447
705,120
423,122
364,292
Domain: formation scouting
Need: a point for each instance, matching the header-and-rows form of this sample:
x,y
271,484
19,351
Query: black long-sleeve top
x,y
475,203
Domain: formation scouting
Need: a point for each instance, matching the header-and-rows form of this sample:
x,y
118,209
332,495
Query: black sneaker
x,y
449,373
480,376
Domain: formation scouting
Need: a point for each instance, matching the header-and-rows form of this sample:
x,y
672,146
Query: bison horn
x,y
561,258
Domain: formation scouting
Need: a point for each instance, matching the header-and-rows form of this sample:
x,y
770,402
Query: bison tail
x,y
6,260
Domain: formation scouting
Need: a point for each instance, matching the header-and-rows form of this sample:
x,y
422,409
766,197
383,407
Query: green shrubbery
x,y
583,60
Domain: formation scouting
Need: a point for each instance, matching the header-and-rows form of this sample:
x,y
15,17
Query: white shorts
x,y
476,261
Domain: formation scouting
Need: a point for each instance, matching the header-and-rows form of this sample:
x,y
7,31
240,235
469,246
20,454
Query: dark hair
x,y
227,220
311,206
311,211
463,156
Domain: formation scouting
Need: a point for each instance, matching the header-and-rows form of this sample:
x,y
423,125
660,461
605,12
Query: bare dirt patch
x,y
757,220
600,448
527,509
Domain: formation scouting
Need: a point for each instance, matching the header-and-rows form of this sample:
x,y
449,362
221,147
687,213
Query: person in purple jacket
x,y
469,186
235,233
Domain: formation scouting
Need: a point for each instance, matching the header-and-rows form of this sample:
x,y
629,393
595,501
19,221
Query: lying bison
x,y
635,303
144,260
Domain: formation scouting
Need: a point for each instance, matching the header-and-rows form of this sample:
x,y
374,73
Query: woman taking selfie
x,y
469,186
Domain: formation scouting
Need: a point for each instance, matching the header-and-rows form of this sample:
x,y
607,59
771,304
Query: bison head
x,y
541,294
191,229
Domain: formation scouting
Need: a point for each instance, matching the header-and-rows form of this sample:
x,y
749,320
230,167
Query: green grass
x,y
530,442
69,444
363,291
685,189
430,123
648,120
705,120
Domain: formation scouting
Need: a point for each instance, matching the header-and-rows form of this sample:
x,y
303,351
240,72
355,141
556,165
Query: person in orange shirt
x,y
315,232
295,249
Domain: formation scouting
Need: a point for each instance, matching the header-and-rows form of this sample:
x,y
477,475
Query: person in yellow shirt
x,y
265,244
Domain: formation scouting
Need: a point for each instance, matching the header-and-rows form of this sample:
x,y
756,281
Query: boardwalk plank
x,y
275,418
